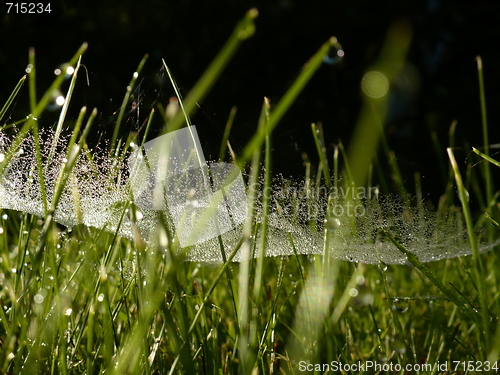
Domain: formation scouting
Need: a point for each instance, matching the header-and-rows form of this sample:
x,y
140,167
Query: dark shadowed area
x,y
438,85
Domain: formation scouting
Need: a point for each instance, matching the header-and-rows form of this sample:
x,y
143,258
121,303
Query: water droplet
x,y
382,356
38,298
335,54
375,84
57,72
382,266
397,344
70,70
1,230
100,298
364,296
353,292
400,305
467,196
68,312
333,223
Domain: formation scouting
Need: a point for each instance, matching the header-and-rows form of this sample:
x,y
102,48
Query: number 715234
x,y
28,8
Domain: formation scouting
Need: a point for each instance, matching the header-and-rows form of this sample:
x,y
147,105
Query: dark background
x,y
440,83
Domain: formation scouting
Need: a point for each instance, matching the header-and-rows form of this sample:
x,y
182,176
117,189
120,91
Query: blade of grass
x,y
36,137
319,140
244,30
123,107
486,157
265,203
227,131
486,143
244,338
368,131
37,111
72,154
451,294
206,299
64,110
11,98
287,100
177,93
478,269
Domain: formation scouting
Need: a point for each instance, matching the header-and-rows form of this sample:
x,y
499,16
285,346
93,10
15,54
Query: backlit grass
x,y
85,301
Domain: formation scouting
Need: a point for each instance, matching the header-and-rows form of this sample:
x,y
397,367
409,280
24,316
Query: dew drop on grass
x,y
362,297
400,305
38,298
397,344
382,266
332,224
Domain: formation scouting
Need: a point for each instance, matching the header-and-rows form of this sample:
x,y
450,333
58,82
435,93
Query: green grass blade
x,y
11,98
368,131
293,92
206,299
484,122
177,93
64,110
478,269
450,293
123,107
244,30
36,137
319,140
37,111
486,157
227,131
265,203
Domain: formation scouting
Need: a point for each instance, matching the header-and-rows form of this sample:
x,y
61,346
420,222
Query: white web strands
x,y
206,204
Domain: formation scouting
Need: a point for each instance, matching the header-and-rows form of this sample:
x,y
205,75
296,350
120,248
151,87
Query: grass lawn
x,y
87,288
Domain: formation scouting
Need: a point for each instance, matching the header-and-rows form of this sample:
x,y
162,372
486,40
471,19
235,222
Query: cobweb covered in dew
x,y
97,191
92,196
355,230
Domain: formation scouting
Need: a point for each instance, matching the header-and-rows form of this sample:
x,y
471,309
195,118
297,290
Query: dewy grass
x,y
98,296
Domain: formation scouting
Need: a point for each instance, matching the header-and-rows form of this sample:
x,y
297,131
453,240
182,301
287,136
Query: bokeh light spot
x,y
375,84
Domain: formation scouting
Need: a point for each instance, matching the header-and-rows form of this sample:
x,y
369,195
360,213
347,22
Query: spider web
x,y
206,204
